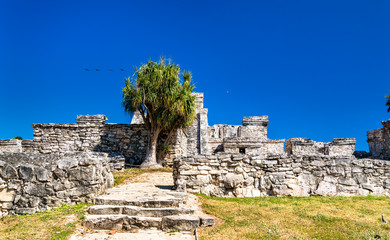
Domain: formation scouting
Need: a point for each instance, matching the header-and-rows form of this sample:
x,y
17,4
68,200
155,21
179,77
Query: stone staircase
x,y
145,205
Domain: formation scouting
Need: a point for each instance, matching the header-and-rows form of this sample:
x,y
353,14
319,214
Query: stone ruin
x,y
218,160
379,141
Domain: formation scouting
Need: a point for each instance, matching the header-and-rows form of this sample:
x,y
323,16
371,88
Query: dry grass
x,y
298,218
55,224
131,174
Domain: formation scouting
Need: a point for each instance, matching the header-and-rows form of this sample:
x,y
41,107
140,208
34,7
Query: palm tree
x,y
165,102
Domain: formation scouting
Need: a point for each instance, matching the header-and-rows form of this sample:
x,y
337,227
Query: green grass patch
x,y
297,218
55,224
131,173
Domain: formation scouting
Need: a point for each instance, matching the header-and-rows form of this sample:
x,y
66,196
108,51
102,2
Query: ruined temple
x,y
92,133
218,160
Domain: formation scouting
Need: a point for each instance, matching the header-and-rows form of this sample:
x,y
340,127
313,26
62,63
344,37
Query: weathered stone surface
x,y
182,223
206,221
6,196
281,175
326,189
34,182
105,210
26,172
43,175
233,180
111,222
379,141
143,222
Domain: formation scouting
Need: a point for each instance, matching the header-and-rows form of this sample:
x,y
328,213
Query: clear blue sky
x,y
319,69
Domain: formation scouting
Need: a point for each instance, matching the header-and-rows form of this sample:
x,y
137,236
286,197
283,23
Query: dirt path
x,y
145,186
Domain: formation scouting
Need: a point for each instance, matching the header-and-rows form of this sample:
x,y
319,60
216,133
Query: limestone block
x,y
9,172
211,190
26,173
203,179
326,189
113,222
182,223
7,196
347,181
233,180
67,164
43,175
206,221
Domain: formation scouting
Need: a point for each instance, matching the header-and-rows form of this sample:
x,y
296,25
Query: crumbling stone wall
x,y
90,133
241,175
379,141
338,147
10,145
31,182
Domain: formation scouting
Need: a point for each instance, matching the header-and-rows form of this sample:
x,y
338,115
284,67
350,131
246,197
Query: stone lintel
x,y
94,119
344,141
300,141
255,121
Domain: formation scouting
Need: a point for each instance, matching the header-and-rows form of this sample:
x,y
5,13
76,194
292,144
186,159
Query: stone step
x,y
125,222
137,211
146,203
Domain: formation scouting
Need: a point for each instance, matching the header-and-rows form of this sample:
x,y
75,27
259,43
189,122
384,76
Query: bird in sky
x,y
86,69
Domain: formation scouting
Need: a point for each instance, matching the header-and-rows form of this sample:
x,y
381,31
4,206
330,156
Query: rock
x,y
182,223
233,180
326,189
206,221
43,175
347,181
7,196
38,190
211,190
25,211
26,173
143,222
67,164
203,179
9,172
109,222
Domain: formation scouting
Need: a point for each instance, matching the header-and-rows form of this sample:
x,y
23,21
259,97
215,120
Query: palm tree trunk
x,y
150,159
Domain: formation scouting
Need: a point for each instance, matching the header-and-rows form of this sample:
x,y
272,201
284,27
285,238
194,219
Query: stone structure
x,y
379,141
228,160
339,147
10,145
241,175
92,133
31,182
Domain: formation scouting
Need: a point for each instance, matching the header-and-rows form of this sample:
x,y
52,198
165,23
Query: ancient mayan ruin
x,y
218,160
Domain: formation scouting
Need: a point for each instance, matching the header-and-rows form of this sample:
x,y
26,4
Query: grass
x,y
130,173
297,218
55,224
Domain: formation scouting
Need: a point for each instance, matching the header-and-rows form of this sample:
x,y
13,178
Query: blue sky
x,y
319,69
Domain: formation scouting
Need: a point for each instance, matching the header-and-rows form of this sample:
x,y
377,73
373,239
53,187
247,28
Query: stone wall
x,y
379,141
10,145
241,175
89,135
31,182
253,146
338,147
255,127
129,140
